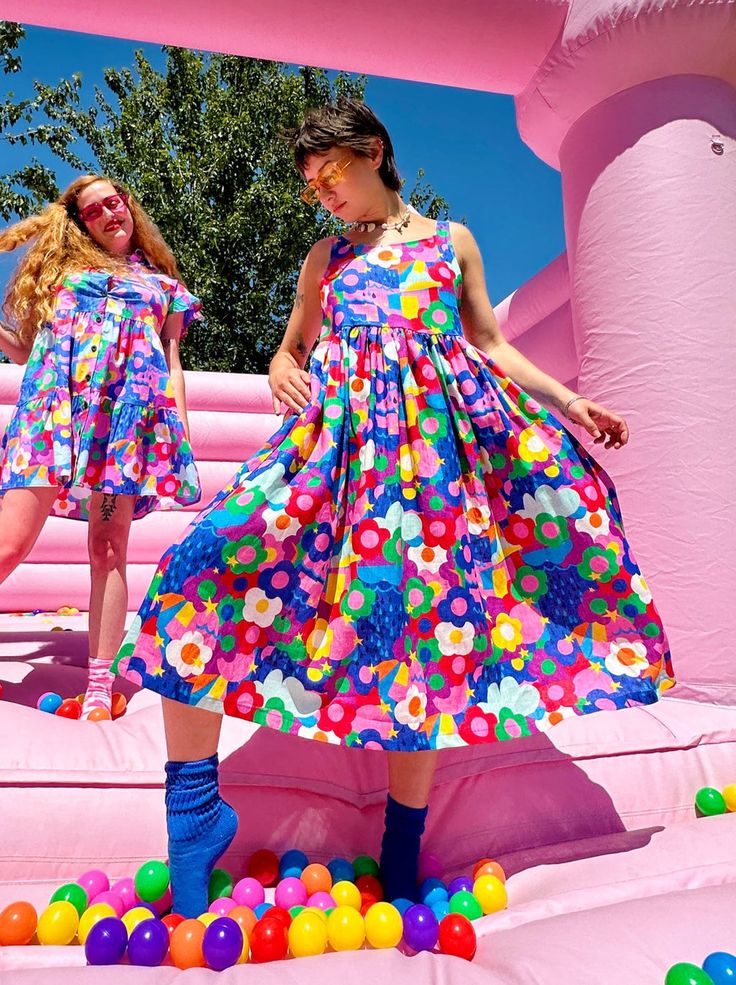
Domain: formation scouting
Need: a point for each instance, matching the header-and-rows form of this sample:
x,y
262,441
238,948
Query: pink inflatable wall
x,y
634,101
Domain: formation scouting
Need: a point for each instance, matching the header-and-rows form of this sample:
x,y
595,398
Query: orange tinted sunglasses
x,y
329,175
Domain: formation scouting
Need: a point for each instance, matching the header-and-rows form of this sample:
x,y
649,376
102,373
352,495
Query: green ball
x,y
685,973
74,893
710,802
465,903
364,865
221,884
295,911
152,880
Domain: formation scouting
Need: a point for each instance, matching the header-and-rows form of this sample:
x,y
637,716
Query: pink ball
x,y
249,892
125,888
113,899
94,882
322,900
430,867
165,902
290,892
222,906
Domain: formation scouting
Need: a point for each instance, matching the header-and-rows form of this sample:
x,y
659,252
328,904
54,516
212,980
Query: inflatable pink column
x,y
648,162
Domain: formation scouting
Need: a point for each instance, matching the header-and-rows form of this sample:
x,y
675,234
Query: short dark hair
x,y
348,123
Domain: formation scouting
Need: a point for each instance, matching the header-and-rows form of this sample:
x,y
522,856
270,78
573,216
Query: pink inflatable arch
x,y
634,102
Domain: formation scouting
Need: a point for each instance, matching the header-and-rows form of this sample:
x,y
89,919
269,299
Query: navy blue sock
x,y
200,826
400,849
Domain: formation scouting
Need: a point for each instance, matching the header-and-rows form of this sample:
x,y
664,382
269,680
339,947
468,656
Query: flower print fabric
x,y
423,558
96,409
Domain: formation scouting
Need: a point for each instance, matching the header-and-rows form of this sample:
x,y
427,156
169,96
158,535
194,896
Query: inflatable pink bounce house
x,y
611,875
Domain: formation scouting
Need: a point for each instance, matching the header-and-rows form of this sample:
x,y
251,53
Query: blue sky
x,y
466,141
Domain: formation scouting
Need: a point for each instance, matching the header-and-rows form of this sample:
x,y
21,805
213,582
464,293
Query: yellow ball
x,y
245,953
92,915
346,894
383,925
307,934
490,893
136,915
729,795
207,918
345,929
317,912
58,923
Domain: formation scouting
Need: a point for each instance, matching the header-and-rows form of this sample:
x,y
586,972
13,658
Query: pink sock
x,y
99,685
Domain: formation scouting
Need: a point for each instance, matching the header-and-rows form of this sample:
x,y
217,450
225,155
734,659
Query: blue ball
x,y
294,861
261,909
430,884
402,905
438,894
721,966
441,908
341,870
50,702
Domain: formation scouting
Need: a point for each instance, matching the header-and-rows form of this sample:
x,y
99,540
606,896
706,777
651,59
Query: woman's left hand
x,y
602,424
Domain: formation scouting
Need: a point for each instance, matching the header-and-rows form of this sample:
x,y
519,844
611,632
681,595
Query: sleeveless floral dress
x,y
423,558
96,408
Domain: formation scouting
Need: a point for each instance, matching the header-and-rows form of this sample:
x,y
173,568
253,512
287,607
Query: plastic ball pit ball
x,y
384,926
466,904
171,921
74,894
489,868
341,870
269,940
291,891
490,893
307,934
248,892
94,882
222,906
457,936
264,866
421,928
151,880
710,801
49,702
685,973
365,865
221,884
461,883
293,863
346,893
185,945
69,708
223,944
95,715
106,942
721,966
91,916
18,922
134,916
345,929
244,917
148,944
316,879
112,899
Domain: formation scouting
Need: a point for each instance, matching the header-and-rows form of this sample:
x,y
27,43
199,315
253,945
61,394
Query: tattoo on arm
x,y
109,503
299,299
300,346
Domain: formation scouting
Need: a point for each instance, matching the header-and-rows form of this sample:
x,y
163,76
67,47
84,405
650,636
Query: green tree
x,y
201,143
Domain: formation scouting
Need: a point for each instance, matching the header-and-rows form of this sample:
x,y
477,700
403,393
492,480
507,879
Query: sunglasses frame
x,y
123,196
310,192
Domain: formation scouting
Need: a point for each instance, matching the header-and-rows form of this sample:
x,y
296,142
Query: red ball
x,y
69,708
457,936
171,921
370,886
279,913
269,940
264,866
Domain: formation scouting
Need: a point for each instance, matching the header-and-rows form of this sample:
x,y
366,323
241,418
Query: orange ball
x,y
18,923
317,878
488,868
186,944
99,715
119,704
244,917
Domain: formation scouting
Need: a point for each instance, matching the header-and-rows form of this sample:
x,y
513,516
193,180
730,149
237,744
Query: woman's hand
x,y
602,424
289,383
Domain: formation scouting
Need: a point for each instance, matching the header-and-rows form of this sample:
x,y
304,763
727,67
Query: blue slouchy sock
x,y
400,849
200,826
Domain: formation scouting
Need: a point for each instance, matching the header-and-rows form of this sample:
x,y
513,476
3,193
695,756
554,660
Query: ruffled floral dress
x,y
96,409
423,558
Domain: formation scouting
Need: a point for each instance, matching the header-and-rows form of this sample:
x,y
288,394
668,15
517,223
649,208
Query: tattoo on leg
x,y
109,502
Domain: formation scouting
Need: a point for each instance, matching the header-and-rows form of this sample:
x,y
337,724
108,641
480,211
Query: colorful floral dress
x,y
96,409
423,558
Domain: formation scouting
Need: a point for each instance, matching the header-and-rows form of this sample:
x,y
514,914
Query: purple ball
x,y
421,928
148,944
106,942
222,944
462,883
